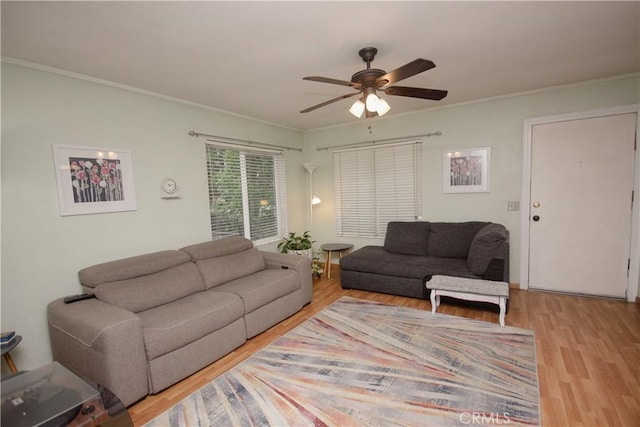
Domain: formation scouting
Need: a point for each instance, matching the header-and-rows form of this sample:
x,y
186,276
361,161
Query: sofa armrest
x,y
490,248
101,343
299,263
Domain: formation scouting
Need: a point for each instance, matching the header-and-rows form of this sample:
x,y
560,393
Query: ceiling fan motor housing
x,y
368,77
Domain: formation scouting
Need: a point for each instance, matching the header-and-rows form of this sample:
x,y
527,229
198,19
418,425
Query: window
x,y
375,185
247,193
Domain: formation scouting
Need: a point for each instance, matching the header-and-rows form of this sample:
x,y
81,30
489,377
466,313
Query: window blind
x,y
375,185
247,193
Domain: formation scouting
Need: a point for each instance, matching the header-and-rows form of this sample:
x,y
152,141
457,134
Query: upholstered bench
x,y
470,290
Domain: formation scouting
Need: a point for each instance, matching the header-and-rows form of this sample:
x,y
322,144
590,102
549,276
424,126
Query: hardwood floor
x,y
588,352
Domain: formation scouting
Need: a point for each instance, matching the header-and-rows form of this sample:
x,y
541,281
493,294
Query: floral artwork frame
x,y
93,180
466,171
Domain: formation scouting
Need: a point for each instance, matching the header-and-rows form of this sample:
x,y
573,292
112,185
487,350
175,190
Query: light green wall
x,y
42,251
494,123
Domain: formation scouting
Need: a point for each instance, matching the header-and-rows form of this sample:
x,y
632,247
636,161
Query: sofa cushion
x,y
452,240
448,267
151,290
215,248
261,288
485,247
222,269
128,268
408,238
188,319
375,260
221,261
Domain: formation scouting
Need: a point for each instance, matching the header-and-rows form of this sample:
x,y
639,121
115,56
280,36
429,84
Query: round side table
x,y
6,348
329,248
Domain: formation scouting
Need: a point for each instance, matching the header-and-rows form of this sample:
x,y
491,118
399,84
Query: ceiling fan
x,y
368,81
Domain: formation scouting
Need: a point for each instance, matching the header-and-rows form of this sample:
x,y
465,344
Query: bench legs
x,y
435,301
500,301
503,305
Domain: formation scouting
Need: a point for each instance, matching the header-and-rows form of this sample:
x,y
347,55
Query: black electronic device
x,y
40,403
79,297
50,396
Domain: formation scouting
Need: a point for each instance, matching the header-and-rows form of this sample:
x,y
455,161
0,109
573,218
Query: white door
x,y
580,213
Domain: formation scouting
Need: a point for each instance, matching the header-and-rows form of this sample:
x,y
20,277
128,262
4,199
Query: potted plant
x,y
297,244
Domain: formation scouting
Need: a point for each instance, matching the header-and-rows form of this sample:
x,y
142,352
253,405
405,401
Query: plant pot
x,y
304,252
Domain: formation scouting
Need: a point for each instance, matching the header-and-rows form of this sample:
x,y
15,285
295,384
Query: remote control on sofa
x,y
79,297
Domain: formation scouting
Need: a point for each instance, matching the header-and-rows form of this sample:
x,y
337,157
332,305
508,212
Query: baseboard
x,y
514,285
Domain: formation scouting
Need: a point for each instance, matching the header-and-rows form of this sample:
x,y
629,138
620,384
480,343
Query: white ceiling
x,y
249,57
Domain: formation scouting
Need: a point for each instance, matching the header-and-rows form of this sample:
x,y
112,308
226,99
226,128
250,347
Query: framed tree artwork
x,y
466,171
93,180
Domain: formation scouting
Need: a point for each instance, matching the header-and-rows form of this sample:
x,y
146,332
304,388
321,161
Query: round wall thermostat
x,y
169,185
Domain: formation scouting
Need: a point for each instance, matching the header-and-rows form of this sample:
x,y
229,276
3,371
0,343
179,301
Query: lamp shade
x,y
383,107
315,200
357,108
372,102
310,167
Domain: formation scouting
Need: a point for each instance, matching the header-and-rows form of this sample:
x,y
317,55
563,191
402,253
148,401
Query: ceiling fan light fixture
x,y
357,108
372,101
368,81
383,107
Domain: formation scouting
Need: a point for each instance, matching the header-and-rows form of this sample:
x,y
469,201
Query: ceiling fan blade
x,y
333,81
315,107
416,92
407,70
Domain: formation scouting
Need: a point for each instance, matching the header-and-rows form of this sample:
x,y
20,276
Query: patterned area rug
x,y
363,363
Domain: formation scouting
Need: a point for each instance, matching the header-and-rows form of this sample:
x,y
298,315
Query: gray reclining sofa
x,y
158,318
415,251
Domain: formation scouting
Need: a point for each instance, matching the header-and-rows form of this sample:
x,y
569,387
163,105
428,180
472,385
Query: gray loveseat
x,y
159,317
415,251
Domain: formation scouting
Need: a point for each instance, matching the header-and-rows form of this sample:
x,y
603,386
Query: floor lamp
x,y
314,200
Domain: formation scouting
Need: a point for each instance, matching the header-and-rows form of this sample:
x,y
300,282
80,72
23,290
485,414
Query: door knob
x,y
536,218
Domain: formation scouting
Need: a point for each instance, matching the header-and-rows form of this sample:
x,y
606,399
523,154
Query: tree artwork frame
x,y
466,171
93,180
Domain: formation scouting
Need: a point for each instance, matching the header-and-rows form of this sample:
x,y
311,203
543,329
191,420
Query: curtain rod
x,y
241,141
380,141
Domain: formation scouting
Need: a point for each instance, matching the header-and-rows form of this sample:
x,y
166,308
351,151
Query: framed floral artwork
x,y
93,180
466,171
